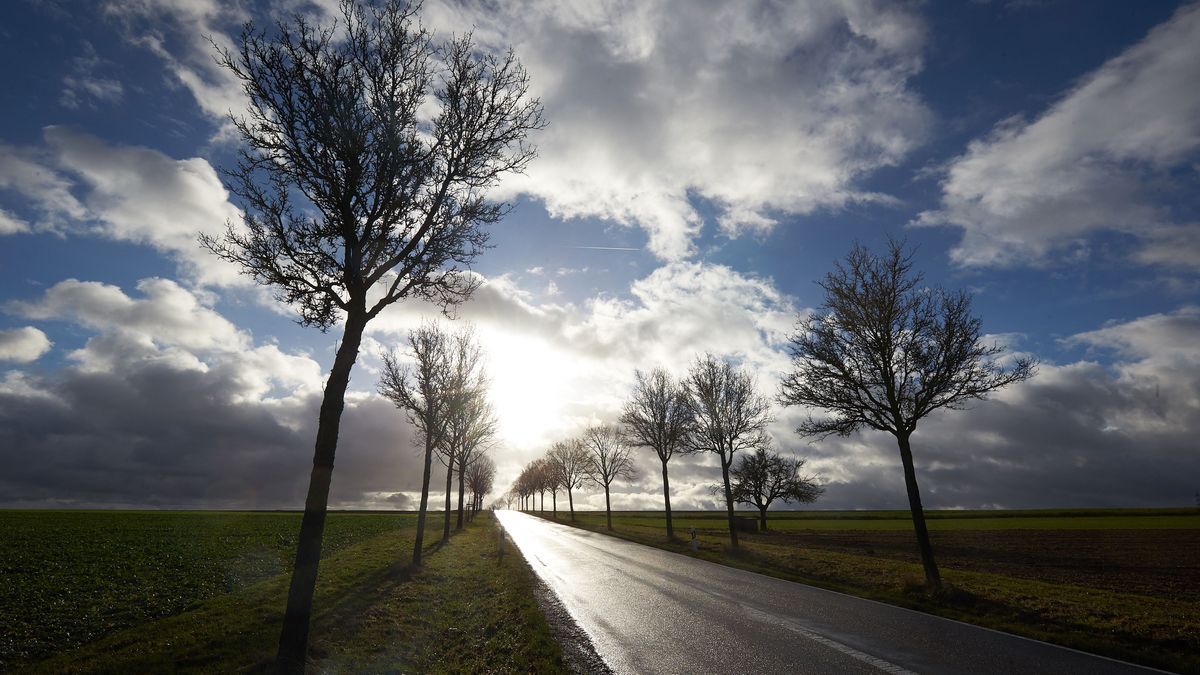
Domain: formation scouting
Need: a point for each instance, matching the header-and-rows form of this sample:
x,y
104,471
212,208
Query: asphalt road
x,y
652,611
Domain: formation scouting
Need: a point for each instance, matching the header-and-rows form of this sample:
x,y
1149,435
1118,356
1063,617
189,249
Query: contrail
x,y
606,248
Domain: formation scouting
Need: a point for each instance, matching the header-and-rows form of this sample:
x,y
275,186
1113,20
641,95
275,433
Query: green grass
x,y
463,611
994,568
69,577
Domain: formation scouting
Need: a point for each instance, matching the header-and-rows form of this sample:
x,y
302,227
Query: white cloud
x,y
10,224
86,85
23,345
1092,162
78,183
760,108
23,171
169,325
556,369
177,31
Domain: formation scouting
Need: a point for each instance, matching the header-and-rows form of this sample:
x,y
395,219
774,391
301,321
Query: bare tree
x,y
481,475
474,431
553,479
348,190
424,392
539,476
728,416
657,416
469,423
886,351
762,478
570,461
528,483
609,459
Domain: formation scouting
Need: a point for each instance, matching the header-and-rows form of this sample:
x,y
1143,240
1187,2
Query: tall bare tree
x,y
728,415
766,476
609,459
425,392
884,352
348,190
570,460
465,414
657,416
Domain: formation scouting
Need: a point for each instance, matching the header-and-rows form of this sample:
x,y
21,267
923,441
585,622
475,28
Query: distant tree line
x,y
713,409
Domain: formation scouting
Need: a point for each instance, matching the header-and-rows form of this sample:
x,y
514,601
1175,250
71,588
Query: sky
x,y
704,164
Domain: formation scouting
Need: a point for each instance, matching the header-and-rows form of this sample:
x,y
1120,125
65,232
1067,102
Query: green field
x,y
1120,582
203,591
1027,519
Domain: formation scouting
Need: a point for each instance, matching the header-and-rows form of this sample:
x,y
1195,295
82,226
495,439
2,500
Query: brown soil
x,y
1157,563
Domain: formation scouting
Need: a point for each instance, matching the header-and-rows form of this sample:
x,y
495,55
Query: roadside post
x,y
695,542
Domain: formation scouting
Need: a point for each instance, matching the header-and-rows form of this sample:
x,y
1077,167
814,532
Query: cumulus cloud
x,y
1094,161
79,184
23,345
1077,434
557,368
759,108
169,405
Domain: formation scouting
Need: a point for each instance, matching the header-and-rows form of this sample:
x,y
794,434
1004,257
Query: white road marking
x,y
765,617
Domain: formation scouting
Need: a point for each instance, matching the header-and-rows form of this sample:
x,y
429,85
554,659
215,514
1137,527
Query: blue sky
x,y
1042,154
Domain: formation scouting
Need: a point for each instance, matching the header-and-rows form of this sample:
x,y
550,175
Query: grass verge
x,y
1156,631
463,611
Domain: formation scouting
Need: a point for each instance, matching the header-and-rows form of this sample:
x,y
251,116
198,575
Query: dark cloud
x,y
158,435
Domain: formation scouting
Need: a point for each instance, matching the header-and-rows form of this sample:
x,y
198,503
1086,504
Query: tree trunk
x,y
571,501
449,478
607,507
554,504
733,537
762,517
542,496
461,487
932,578
667,501
420,541
293,638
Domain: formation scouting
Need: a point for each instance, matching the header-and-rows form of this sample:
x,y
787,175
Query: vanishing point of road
x,y
652,611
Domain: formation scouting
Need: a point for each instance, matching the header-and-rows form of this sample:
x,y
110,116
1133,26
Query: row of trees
x,y
884,351
714,409
599,456
443,393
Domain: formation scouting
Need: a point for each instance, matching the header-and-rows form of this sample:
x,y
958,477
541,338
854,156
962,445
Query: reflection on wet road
x,y
651,611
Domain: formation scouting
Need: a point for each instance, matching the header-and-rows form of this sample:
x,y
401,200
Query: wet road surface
x,y
652,611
